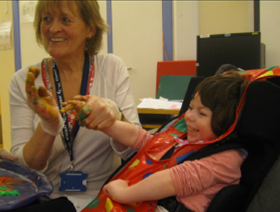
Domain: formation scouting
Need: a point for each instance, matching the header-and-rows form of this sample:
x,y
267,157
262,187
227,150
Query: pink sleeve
x,y
141,140
195,176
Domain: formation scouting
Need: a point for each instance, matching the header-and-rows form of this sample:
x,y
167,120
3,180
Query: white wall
x,y
30,52
137,33
186,28
137,39
137,28
7,68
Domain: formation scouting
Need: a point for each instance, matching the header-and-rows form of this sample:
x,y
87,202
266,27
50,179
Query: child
x,y
211,112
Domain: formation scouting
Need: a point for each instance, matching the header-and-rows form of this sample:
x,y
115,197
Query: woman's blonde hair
x,y
89,10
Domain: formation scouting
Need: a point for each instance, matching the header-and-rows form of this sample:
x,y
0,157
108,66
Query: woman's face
x,y
64,31
198,119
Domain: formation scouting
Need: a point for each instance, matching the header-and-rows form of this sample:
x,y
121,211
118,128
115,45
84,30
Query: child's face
x,y
198,119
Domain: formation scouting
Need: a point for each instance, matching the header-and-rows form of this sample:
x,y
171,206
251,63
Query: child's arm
x,y
124,132
157,186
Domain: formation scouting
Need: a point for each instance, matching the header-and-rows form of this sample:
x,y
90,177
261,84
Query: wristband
x,y
54,127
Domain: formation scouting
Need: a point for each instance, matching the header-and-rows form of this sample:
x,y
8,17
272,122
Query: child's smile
x,y
198,119
192,130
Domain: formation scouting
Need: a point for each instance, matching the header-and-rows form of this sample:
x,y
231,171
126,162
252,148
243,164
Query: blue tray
x,y
33,184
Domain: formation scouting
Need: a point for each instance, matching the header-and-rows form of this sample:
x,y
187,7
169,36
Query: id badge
x,y
73,181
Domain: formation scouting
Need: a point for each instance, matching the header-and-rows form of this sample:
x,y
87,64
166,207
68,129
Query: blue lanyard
x,y
68,138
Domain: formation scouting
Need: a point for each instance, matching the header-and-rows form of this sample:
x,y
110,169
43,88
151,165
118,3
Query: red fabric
x,y
147,161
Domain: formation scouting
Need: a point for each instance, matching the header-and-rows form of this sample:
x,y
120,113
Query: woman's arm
x,y
29,142
157,186
37,150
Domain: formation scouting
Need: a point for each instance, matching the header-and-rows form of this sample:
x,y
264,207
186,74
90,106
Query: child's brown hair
x,y
221,94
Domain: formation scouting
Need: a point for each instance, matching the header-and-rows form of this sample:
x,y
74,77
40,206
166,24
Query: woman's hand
x,y
118,191
102,114
94,112
43,104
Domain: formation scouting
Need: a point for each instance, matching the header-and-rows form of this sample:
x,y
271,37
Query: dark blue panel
x,y
109,22
16,30
167,27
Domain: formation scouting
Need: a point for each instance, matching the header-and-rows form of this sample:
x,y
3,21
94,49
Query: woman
x,y
71,32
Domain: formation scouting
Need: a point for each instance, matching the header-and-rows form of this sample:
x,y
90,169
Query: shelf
x,y
151,126
155,118
158,111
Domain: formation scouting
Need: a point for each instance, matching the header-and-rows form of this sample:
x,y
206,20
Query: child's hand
x,y
95,113
117,190
7,156
43,104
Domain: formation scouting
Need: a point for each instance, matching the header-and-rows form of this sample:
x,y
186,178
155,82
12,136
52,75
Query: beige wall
x,y
219,17
1,139
7,69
